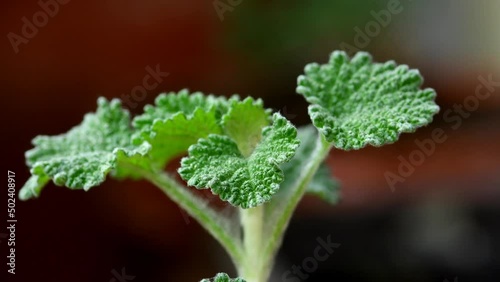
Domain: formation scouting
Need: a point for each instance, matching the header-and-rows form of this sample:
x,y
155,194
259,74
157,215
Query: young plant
x,y
255,160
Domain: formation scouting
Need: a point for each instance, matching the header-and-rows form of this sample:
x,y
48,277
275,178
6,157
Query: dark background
x,y
441,223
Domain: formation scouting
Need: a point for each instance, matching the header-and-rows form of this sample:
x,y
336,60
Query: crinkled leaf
x,y
223,277
322,184
81,158
355,102
217,163
170,104
244,122
177,121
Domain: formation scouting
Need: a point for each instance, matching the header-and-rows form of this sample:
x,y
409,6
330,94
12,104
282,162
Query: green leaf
x,y
322,184
177,121
216,162
244,122
355,102
81,158
223,277
33,187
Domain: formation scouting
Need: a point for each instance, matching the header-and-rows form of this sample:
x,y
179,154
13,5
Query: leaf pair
x,y
237,147
105,142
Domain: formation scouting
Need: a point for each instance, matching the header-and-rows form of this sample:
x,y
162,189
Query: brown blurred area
x,y
441,222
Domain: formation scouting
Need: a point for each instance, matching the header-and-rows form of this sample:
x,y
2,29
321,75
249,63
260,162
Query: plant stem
x,y
280,218
254,257
216,224
252,222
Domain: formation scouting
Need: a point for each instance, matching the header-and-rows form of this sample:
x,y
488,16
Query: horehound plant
x,y
255,160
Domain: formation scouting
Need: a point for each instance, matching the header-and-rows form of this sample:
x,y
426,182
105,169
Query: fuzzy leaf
x,y
217,163
81,158
168,105
244,123
223,277
322,184
355,102
177,121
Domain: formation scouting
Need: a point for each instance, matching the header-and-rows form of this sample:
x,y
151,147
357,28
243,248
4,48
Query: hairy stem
x,y
220,227
254,257
252,222
281,214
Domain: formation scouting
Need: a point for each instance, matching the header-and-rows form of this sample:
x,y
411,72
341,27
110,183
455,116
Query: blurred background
x,y
441,223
